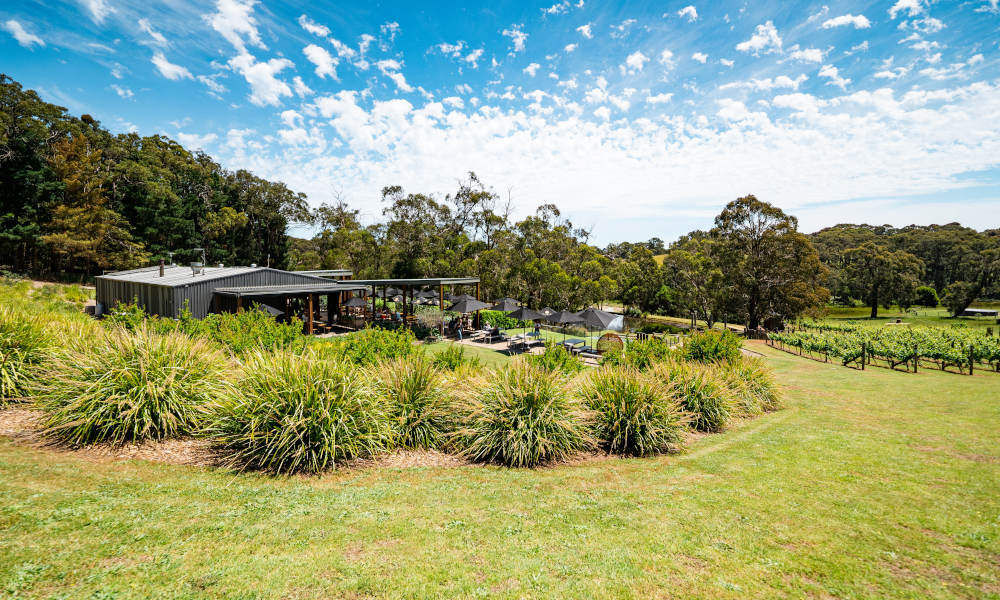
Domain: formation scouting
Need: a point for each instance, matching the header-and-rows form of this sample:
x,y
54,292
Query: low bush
x,y
500,319
640,354
752,385
521,416
557,359
369,346
454,358
712,345
415,401
290,413
703,393
123,386
24,347
634,414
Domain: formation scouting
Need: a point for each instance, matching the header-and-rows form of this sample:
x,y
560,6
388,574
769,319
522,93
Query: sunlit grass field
x,y
918,315
874,484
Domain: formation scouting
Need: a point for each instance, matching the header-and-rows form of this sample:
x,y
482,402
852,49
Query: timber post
x,y
309,308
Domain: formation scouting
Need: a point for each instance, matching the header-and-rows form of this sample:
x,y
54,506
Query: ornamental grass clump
x,y
753,385
453,358
24,348
291,413
634,414
522,415
712,345
703,393
556,359
120,387
413,395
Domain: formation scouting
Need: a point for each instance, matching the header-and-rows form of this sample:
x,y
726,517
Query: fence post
x,y
971,358
864,354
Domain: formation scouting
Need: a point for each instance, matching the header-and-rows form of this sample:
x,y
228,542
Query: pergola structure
x,y
280,296
409,286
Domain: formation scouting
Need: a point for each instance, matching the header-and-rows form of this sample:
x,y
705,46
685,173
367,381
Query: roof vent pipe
x,y
161,267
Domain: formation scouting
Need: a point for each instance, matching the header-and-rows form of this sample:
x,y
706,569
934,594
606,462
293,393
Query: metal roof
x,y
418,282
176,275
327,287
328,273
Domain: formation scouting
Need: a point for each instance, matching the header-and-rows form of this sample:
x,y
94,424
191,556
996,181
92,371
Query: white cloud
x,y
390,68
862,47
326,64
265,87
585,31
858,21
635,61
343,50
301,89
123,92
570,47
453,101
22,36
98,9
990,6
621,30
473,57
168,69
806,54
532,69
602,112
726,62
659,98
833,74
666,59
517,37
234,21
560,8
700,57
690,12
765,39
313,27
781,81
157,37
193,141
214,87
912,8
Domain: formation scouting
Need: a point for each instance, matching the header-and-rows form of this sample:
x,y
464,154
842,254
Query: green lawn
x,y
486,356
874,484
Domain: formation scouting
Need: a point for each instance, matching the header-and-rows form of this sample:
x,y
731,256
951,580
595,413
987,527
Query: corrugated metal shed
x,y
167,295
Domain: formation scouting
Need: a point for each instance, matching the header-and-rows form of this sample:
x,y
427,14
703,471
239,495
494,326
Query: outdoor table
x,y
572,342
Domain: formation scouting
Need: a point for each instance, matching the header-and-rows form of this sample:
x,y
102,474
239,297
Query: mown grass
x,y
917,315
869,484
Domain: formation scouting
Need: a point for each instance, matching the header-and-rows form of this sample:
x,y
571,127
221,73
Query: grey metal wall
x,y
169,301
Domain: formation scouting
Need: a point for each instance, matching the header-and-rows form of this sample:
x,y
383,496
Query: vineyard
x,y
910,348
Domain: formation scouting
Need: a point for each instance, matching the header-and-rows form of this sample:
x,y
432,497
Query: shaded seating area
x,y
318,306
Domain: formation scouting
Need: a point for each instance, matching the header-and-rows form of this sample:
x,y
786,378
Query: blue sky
x,y
637,119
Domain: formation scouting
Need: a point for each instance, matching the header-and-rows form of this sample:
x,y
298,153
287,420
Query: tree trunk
x,y
874,302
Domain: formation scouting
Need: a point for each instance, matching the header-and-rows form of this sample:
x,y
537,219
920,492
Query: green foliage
x,y
416,403
369,346
634,414
240,332
752,384
500,319
291,413
521,416
927,296
557,359
712,345
653,327
24,347
129,386
454,358
703,392
640,354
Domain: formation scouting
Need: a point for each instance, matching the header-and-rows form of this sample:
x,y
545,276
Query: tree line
x,y
76,200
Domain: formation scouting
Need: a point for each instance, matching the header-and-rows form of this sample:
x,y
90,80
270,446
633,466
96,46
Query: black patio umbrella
x,y
506,305
267,308
564,318
596,319
526,314
356,301
427,294
461,297
392,291
468,306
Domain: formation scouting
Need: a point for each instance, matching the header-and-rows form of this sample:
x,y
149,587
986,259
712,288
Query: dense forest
x,y
76,200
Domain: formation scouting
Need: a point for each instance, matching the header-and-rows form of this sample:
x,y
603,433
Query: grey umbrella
x,y
525,314
461,297
356,301
506,305
427,294
564,318
596,319
468,306
267,308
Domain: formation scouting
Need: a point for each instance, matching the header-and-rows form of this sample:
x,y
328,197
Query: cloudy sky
x,y
636,118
